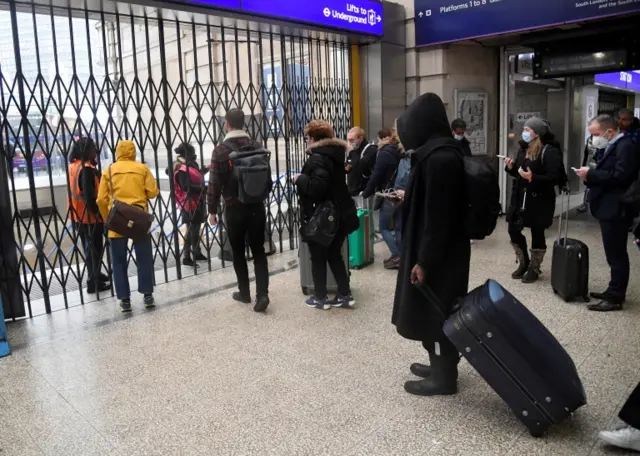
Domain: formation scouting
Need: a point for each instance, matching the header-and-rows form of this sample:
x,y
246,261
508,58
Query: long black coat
x,y
433,230
540,204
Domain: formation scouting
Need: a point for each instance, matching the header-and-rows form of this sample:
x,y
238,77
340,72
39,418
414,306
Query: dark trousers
x,y
630,412
321,257
538,240
144,262
246,223
192,239
615,237
92,238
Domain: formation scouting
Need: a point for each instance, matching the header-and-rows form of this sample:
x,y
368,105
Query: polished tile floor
x,y
202,375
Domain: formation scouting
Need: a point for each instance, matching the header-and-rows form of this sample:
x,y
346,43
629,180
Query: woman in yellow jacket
x,y
130,182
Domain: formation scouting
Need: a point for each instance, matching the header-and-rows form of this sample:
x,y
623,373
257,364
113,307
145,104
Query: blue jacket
x,y
402,177
386,165
616,170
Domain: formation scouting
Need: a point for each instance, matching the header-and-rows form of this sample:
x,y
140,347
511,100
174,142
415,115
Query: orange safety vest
x,y
77,203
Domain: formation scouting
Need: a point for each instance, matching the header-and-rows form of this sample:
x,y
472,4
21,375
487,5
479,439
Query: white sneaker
x,y
626,437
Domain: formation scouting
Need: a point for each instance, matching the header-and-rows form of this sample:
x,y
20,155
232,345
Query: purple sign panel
x,y
629,80
441,21
228,4
360,16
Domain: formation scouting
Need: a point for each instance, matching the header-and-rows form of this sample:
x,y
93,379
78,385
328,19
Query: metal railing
x,y
66,73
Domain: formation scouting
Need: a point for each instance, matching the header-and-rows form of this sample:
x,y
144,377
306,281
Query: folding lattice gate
x,y
159,78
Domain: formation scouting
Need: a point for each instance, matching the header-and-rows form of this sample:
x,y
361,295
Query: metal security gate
x,y
159,78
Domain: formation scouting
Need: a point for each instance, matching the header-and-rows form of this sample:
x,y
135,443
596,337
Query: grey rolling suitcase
x,y
304,264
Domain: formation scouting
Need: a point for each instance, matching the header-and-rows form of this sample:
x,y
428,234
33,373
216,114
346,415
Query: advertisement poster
x,y
472,107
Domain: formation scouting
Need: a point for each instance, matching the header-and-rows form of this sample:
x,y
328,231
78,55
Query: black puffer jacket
x,y
323,178
540,204
384,170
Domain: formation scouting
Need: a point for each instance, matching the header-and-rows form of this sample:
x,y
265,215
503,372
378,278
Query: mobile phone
x,y
502,156
574,169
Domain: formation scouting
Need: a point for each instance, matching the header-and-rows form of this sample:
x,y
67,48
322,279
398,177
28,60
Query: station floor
x,y
203,375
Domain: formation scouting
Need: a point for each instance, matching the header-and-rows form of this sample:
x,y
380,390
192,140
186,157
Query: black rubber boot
x,y
533,272
523,262
420,370
442,381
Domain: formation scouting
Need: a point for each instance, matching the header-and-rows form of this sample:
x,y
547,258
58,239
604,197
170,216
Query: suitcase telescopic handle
x,y
564,214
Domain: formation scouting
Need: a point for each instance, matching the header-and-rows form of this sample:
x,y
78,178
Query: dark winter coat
x,y
362,160
614,173
466,147
384,171
540,204
433,222
323,179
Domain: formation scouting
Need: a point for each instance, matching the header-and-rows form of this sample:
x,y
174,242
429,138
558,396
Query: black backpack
x,y
251,180
482,192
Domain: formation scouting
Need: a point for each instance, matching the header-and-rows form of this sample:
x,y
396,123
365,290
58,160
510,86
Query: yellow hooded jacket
x,y
133,182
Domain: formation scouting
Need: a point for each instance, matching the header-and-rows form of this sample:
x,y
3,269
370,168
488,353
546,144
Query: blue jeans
x,y
393,240
144,262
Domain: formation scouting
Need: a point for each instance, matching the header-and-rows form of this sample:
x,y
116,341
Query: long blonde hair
x,y
534,149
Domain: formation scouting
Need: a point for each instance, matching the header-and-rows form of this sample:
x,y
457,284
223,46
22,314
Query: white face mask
x,y
459,137
600,142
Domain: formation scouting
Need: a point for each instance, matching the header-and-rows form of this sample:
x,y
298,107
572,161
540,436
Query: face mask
x,y
600,142
527,136
459,137
354,144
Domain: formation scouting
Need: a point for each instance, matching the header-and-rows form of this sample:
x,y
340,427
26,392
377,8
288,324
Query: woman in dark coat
x,y
323,178
537,170
435,248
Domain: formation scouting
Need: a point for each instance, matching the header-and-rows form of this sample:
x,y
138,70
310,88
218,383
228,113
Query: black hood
x,y
332,148
423,120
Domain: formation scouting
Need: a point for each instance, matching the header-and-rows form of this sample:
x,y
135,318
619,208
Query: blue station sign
x,y
357,16
443,21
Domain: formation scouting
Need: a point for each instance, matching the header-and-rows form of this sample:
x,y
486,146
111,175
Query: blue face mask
x,y
527,136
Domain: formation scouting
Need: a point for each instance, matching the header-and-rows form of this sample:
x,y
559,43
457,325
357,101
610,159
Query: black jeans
x,y
630,412
538,240
92,238
192,239
332,255
615,237
246,223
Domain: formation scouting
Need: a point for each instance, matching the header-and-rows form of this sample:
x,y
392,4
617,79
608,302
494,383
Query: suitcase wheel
x,y
305,291
586,299
536,434
555,291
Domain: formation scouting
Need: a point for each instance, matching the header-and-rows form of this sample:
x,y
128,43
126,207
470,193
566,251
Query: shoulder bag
x,y
127,220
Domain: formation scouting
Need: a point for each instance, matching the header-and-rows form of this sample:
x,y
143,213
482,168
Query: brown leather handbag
x,y
129,221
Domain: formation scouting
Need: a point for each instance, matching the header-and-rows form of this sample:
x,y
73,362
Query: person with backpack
x,y
189,186
130,182
537,171
241,176
383,180
322,183
84,181
436,253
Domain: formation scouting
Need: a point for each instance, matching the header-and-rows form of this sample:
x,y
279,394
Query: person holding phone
x,y
536,170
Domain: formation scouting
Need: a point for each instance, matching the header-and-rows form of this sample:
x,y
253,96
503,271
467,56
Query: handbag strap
x,y
111,186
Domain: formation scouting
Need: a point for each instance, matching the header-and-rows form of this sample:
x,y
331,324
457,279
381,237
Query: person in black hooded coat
x,y
435,251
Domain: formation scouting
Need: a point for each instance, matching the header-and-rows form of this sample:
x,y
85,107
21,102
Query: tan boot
x,y
533,272
523,262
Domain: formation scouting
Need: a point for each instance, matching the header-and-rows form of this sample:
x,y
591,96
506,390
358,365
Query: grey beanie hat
x,y
538,125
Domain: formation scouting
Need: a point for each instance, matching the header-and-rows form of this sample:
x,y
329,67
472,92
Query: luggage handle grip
x,y
564,214
428,293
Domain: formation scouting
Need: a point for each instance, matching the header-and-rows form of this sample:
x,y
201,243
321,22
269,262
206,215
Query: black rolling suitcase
x,y
517,356
570,262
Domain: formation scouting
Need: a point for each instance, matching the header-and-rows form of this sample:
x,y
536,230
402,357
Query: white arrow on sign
x,y
420,14
379,18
